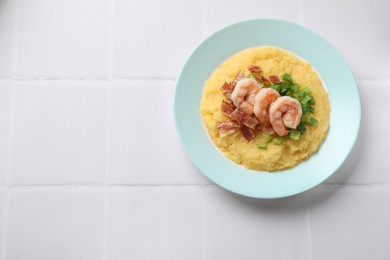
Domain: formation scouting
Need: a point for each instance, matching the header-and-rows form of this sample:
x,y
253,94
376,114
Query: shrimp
x,y
263,101
244,94
285,112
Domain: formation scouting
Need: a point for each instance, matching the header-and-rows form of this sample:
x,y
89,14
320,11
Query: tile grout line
x,y
105,224
10,159
11,132
110,75
357,184
110,188
168,185
103,185
110,69
308,230
10,155
86,79
301,17
107,173
157,79
385,80
15,50
204,17
204,200
204,229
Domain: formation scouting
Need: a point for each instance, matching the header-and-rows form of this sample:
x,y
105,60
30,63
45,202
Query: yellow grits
x,y
235,147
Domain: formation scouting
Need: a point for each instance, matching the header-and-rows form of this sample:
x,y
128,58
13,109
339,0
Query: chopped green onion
x,y
267,139
305,99
251,76
312,121
262,146
306,109
312,109
287,77
312,101
294,87
277,142
286,88
305,119
301,128
276,87
305,91
295,134
283,137
283,88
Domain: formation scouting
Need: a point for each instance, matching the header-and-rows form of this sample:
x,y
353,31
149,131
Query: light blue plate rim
x,y
343,93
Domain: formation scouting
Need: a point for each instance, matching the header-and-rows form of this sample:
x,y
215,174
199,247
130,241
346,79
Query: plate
x,y
344,101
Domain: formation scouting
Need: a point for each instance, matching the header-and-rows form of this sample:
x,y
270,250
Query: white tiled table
x,y
83,176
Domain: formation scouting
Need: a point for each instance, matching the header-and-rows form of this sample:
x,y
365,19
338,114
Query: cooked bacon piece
x,y
258,76
227,128
250,121
245,119
260,126
239,76
275,79
227,107
227,89
237,116
254,68
265,82
247,133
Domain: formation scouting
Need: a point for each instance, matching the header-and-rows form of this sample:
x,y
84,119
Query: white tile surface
x,y
358,29
155,224
369,159
153,38
5,97
350,223
67,134
221,13
55,225
59,133
63,38
145,148
245,228
7,39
